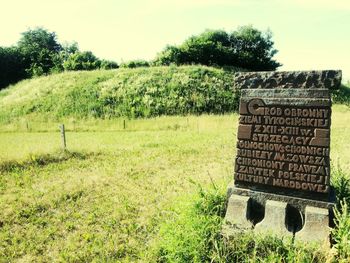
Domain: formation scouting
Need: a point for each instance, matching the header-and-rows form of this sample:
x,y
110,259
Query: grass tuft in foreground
x,y
341,232
341,185
192,233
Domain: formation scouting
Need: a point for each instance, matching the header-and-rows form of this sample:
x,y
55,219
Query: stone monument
x,y
282,166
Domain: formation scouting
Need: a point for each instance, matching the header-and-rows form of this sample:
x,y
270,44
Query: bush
x,y
106,64
82,61
342,95
135,64
86,61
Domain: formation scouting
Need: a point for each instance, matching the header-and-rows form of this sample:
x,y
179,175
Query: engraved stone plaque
x,y
284,132
282,166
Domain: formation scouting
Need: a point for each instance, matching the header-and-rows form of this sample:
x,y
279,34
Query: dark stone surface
x,y
327,79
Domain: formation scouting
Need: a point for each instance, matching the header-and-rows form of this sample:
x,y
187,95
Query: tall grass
x,y
192,233
341,232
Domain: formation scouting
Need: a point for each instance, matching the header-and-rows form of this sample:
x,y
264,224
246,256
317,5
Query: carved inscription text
x,y
283,146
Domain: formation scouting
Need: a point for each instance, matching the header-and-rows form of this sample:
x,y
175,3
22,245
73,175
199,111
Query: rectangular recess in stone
x,y
284,132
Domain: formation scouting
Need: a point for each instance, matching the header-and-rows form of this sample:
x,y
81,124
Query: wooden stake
x,y
63,136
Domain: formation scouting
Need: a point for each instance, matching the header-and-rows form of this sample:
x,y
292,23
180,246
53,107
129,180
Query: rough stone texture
x,y
315,222
236,213
315,228
326,79
285,93
274,220
297,102
291,110
301,203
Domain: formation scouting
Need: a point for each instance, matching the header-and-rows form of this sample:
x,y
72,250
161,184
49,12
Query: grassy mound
x,y
141,92
132,93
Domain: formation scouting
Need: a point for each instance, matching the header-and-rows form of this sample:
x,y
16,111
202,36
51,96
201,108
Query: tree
x,y
82,61
254,49
170,55
210,48
40,51
12,68
70,48
246,48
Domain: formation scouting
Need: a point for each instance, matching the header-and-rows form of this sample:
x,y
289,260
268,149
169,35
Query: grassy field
x,y
105,201
132,194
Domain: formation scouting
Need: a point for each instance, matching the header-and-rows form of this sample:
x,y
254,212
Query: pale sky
x,y
309,34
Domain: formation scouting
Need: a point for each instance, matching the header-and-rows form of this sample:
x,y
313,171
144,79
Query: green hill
x,y
132,93
141,92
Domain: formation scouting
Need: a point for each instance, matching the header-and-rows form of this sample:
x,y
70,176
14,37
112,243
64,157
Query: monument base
x,y
298,218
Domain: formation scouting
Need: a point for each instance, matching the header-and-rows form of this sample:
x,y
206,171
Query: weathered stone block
x,y
274,220
316,226
236,213
282,164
